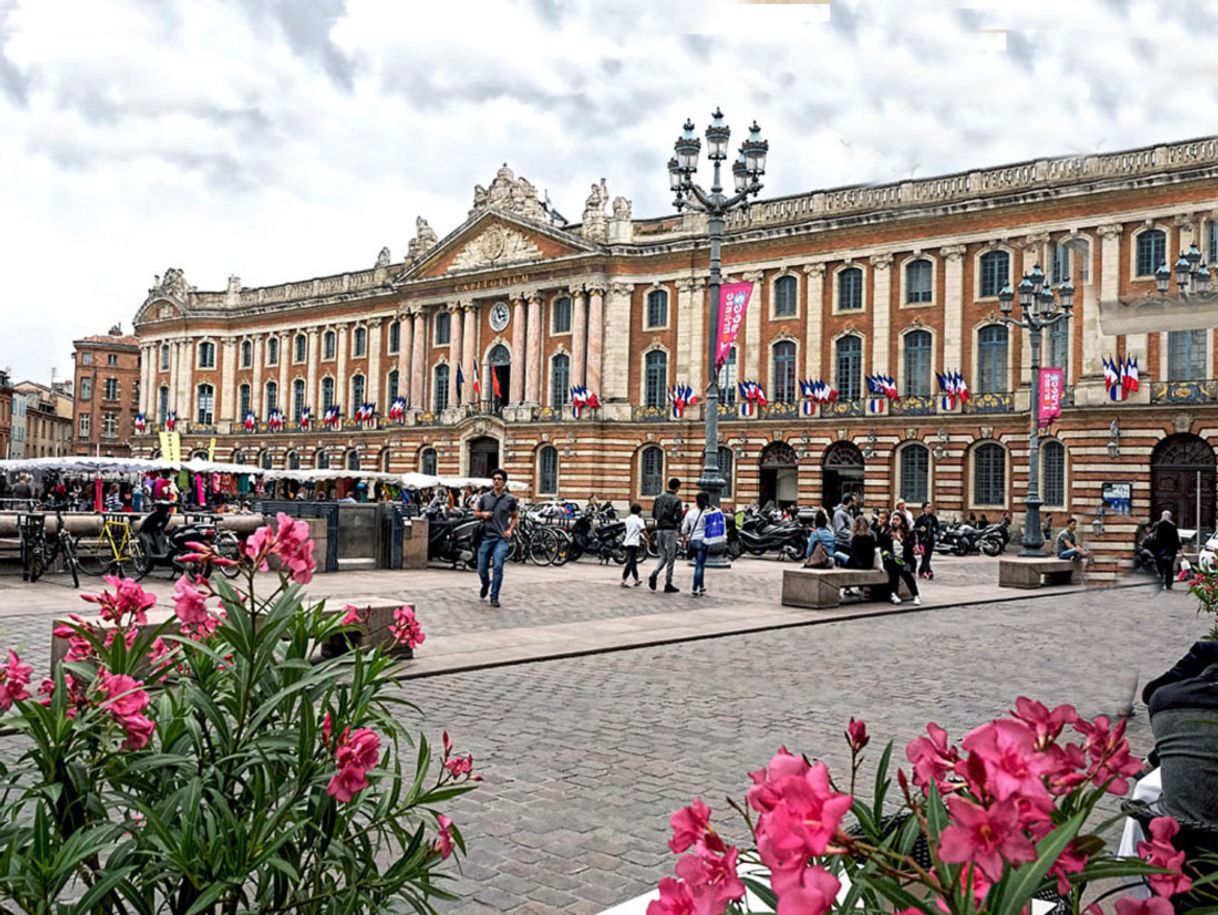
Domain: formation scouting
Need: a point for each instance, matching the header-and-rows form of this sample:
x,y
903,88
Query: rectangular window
x,y
560,313
109,425
1152,251
1059,345
111,359
444,328
86,358
1211,243
657,308
1061,264
850,289
110,389
164,358
86,389
1186,351
85,422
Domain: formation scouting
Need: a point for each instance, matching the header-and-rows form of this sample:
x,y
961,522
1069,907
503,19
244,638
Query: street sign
x,y
1118,498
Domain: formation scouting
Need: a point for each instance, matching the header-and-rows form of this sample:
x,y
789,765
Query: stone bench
x,y
373,631
821,589
1030,572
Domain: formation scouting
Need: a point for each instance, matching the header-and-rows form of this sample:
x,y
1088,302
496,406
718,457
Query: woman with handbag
x,y
693,529
820,553
900,561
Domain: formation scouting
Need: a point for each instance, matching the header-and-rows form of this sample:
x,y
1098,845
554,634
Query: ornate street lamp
x,y
1041,307
746,172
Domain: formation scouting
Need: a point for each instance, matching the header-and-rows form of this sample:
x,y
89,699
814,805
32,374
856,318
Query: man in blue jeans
x,y
1067,542
499,514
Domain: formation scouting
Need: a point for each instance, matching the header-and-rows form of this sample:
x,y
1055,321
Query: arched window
x,y
272,351
784,371
427,462
652,470
322,460
786,297
547,470
989,475
992,359
1152,251
162,404
301,348
919,352
293,460
238,456
1053,473
919,282
359,342
164,357
386,459
207,355
726,460
243,401
1058,351
849,377
850,289
655,378
353,459
560,380
329,345
560,316
205,399
1186,355
298,398
728,379
391,386
327,393
444,328
995,270
395,336
1061,264
357,391
265,461
272,396
657,308
439,388
915,474
247,354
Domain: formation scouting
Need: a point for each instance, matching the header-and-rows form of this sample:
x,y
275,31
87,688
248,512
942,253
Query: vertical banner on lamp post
x,y
1051,382
733,302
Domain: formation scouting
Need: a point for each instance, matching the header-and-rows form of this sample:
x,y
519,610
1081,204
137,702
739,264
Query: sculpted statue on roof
x,y
511,194
173,284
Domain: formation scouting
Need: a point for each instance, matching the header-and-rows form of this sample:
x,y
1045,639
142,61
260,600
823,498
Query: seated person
x,y
1067,542
1184,718
862,546
821,534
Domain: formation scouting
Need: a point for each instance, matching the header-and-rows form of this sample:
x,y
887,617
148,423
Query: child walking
x,y
636,531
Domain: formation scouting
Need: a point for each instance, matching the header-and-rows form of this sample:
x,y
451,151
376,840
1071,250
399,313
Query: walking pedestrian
x,y
499,513
900,507
926,527
900,561
693,531
666,510
1165,544
636,532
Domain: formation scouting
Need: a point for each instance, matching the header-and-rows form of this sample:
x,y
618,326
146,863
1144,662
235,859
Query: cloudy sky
x,y
286,139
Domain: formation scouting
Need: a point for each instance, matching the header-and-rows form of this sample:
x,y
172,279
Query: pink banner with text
x,y
1051,384
733,302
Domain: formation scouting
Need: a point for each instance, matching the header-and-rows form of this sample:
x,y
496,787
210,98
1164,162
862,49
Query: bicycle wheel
x,y
563,546
67,546
543,548
95,556
228,546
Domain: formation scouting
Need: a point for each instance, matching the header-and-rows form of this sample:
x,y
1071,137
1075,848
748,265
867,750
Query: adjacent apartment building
x,y
107,372
41,420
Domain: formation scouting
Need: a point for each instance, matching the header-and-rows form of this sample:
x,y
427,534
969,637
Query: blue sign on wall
x,y
1118,498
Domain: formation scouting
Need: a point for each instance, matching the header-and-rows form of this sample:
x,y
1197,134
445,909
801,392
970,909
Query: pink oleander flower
x,y
444,839
856,735
459,766
405,629
327,727
932,758
448,746
258,546
711,879
1160,852
14,678
1046,724
1109,753
762,796
355,755
689,825
126,701
351,615
128,599
189,603
1070,861
1155,905
674,899
1012,766
289,542
812,894
985,837
79,646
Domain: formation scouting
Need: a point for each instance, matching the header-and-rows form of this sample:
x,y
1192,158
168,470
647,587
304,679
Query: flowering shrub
x,y
1204,587
213,764
1000,816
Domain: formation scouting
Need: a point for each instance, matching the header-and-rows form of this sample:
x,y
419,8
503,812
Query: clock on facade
x,y
500,315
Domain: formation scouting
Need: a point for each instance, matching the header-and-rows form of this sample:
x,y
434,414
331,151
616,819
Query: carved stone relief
x,y
494,247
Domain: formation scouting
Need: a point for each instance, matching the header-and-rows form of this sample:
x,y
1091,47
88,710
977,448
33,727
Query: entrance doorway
x,y
498,370
483,456
843,473
1182,477
779,475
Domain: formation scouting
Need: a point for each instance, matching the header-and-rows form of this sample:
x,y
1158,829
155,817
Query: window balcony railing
x,y
914,405
1184,391
649,414
780,410
843,408
992,402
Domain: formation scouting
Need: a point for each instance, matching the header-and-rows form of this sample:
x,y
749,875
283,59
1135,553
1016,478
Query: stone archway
x,y
779,471
844,467
1182,481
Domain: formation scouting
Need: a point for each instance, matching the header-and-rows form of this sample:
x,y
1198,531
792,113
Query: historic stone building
x,y
106,389
898,279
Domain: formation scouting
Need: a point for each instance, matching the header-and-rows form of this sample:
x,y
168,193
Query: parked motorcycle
x,y
156,546
454,540
599,537
758,535
961,539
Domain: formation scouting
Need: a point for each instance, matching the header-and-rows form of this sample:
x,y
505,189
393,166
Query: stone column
x,y
455,335
342,383
752,335
186,364
615,374
522,357
226,406
814,313
256,384
374,367
579,330
881,315
534,337
953,310
405,354
286,352
596,336
313,366
682,320
146,354
418,361
469,351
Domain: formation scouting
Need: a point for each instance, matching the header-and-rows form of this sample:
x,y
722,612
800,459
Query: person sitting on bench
x,y
1067,543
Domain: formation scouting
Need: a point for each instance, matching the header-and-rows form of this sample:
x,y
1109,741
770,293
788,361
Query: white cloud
x,y
287,140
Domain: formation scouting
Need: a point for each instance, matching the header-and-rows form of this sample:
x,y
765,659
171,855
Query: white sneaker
x,y
918,601
895,599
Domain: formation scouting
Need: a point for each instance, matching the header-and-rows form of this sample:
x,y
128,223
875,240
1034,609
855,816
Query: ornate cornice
x,y
753,276
1113,230
881,261
596,288
816,270
952,253
621,289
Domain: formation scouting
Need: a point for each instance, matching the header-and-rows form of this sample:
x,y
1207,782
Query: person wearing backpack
x,y
693,530
666,510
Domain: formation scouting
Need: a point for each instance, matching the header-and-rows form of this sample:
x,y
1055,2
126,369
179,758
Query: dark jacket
x,y
1191,683
862,552
927,527
666,510
1166,539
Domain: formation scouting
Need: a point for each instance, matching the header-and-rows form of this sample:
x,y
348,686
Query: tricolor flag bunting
x,y
140,423
397,409
250,423
306,417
